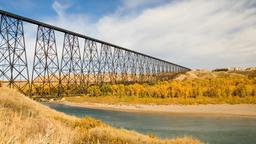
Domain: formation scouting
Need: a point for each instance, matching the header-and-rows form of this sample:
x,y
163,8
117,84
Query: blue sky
x,y
38,9
41,8
195,33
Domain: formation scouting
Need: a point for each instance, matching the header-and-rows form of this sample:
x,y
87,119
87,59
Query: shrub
x,y
254,91
106,89
94,91
221,69
242,90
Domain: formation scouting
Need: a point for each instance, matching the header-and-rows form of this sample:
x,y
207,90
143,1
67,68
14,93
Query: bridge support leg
x,y
71,71
91,63
116,65
125,66
13,59
105,57
45,74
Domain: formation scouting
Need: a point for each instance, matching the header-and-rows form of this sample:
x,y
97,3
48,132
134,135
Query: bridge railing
x,y
97,62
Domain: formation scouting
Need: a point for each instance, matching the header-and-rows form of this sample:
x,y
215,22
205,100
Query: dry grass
x,y
205,74
25,121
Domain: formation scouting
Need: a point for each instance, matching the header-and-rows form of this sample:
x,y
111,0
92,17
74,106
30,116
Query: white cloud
x,y
75,22
60,8
197,34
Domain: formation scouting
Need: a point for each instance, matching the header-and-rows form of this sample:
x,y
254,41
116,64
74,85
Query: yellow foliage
x,y
94,91
222,86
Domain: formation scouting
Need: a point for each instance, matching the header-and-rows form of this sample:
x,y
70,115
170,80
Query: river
x,y
208,128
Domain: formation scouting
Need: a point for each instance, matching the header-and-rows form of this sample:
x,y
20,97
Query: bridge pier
x,y
13,58
45,72
91,63
71,67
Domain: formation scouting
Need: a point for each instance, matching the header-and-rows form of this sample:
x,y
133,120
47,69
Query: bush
x,y
242,90
106,89
94,91
221,69
254,91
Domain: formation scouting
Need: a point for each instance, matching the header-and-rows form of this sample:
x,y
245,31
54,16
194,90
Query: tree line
x,y
212,87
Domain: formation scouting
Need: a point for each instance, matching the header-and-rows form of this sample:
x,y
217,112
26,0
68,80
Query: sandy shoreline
x,y
219,109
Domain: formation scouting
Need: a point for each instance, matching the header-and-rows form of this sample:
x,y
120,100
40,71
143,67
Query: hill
x,y
26,121
205,74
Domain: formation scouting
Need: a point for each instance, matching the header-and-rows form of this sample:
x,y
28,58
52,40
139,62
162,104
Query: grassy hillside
x,y
23,120
194,87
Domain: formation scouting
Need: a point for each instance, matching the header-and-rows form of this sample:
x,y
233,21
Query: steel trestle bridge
x,y
96,63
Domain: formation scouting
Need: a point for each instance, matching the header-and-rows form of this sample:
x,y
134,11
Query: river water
x,y
208,128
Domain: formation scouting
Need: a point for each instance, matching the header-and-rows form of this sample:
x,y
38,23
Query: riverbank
x,y
23,120
248,110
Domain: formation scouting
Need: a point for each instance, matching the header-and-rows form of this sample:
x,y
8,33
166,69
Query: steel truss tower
x,y
91,62
117,60
134,67
125,66
71,67
105,56
13,59
45,74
